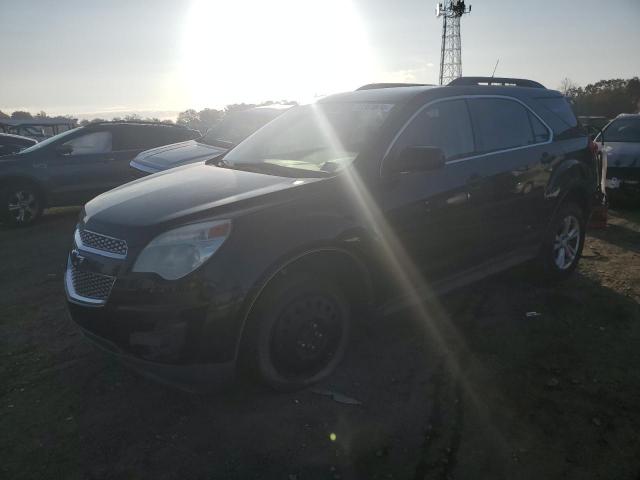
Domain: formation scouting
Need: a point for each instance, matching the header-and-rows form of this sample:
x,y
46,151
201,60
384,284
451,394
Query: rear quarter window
x,y
558,113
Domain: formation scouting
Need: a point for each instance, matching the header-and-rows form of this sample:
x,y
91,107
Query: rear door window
x,y
500,124
91,143
144,137
445,125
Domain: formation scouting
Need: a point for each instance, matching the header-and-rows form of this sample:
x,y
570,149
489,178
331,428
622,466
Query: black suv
x,y
75,166
262,260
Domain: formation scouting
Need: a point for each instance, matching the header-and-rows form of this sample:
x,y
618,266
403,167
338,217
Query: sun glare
x,y
251,51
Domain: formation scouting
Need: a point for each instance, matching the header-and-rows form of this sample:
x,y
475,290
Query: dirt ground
x,y
474,389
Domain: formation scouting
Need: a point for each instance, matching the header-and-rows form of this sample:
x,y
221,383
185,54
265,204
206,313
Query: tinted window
x,y
623,130
499,124
445,125
143,137
91,143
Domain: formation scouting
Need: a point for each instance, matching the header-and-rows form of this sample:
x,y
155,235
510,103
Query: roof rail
x,y
507,82
373,86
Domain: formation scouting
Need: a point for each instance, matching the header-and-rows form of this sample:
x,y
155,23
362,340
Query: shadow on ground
x,y
500,394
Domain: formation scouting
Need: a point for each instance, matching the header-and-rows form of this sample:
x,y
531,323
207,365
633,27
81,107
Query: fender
x,y
567,178
290,259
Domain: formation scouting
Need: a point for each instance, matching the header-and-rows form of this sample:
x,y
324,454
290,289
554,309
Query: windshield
x,y
623,130
238,126
49,141
314,140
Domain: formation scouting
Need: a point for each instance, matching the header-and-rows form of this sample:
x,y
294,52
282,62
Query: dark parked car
x,y
234,128
10,144
262,260
75,166
622,147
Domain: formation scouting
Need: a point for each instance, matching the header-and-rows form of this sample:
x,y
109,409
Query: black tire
x,y
553,264
22,204
297,332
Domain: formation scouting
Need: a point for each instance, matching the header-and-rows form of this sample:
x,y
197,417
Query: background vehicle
x,y
261,260
37,128
593,124
14,143
234,128
622,146
76,165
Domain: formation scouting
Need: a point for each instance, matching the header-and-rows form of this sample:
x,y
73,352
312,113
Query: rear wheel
x,y
297,333
563,245
21,204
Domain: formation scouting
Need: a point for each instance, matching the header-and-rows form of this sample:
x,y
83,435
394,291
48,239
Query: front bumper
x,y
192,378
180,331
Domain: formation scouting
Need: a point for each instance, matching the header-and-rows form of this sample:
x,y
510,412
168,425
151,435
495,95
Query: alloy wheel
x,y
22,206
567,242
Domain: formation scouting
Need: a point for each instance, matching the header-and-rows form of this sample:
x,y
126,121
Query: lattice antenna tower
x,y
451,54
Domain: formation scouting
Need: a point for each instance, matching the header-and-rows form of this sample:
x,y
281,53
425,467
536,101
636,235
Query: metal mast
x,y
451,55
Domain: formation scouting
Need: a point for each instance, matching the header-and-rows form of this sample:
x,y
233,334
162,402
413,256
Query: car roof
x,y
402,95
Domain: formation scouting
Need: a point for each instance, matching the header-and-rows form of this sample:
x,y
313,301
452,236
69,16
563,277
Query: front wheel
x,y
563,245
22,204
298,332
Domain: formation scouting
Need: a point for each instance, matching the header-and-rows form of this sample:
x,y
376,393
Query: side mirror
x,y
418,159
64,149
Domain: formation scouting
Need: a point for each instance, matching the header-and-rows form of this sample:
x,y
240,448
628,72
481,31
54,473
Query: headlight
x,y
178,252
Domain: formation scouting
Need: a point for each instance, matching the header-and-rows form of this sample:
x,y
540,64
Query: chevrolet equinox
x,y
260,261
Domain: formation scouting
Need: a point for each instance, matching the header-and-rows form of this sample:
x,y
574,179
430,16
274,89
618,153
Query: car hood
x,y
185,193
174,155
622,154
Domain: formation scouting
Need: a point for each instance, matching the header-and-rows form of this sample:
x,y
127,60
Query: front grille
x,y
103,243
89,285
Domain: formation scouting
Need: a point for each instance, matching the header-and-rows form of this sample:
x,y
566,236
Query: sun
x,y
252,50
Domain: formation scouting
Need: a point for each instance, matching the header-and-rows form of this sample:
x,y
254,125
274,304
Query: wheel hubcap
x,y
306,335
22,206
566,242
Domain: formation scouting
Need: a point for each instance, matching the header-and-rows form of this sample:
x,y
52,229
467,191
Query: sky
x,y
102,58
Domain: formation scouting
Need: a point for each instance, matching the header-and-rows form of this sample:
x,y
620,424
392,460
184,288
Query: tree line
x,y
201,120
606,98
204,119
